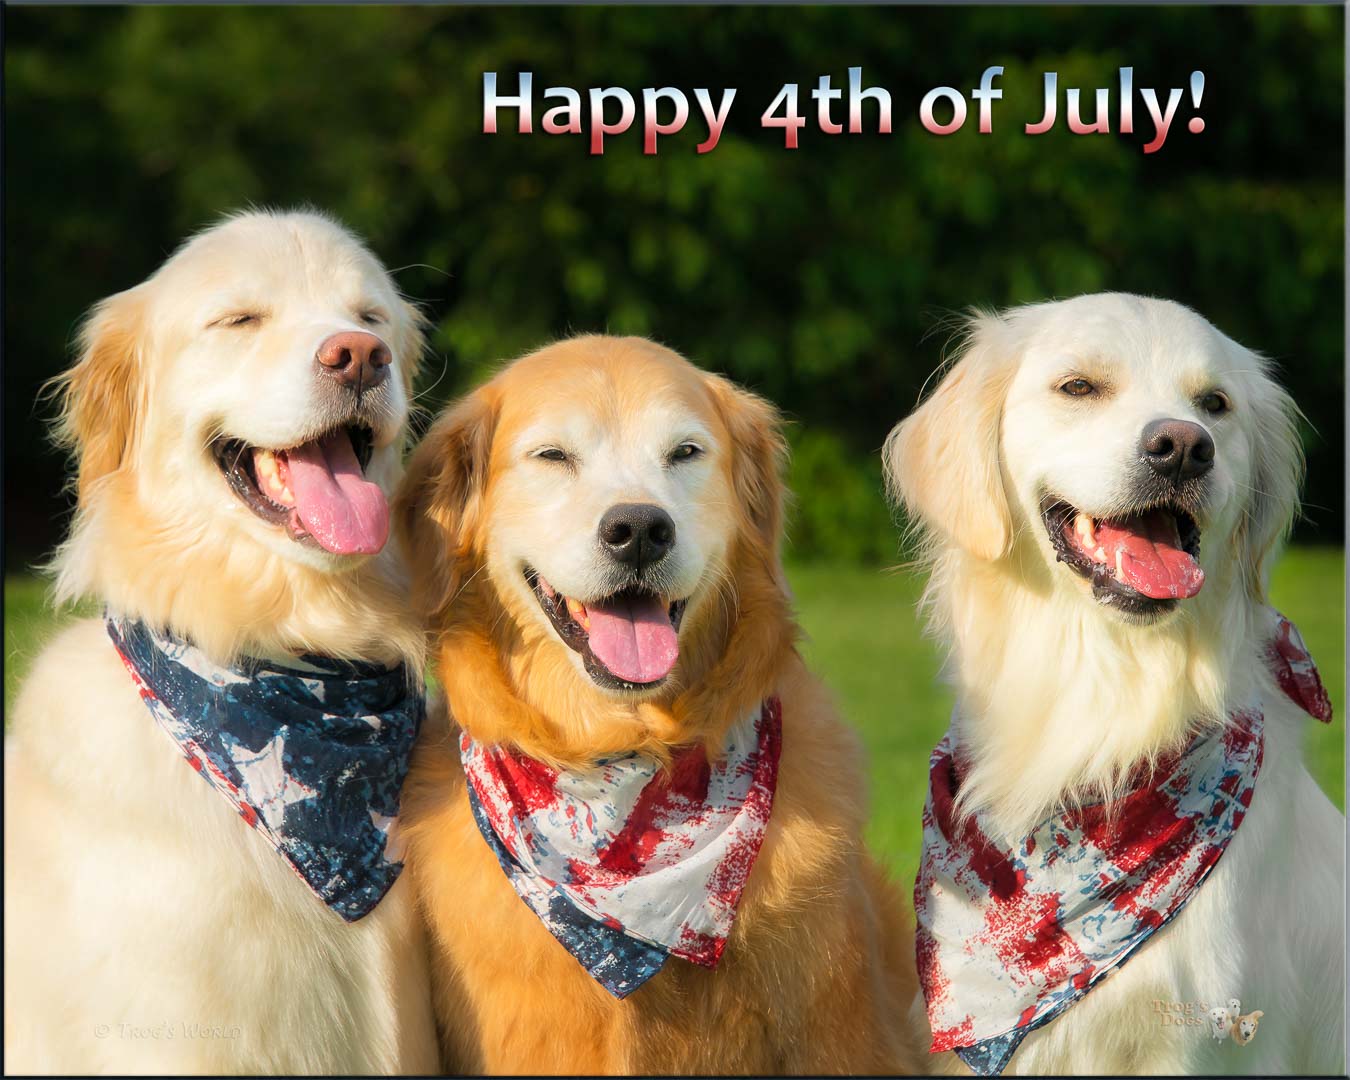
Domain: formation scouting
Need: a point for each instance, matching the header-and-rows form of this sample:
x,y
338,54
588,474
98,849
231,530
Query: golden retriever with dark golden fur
x,y
500,513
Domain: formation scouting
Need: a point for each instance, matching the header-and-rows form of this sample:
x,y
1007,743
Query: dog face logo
x,y
1220,1023
1244,1031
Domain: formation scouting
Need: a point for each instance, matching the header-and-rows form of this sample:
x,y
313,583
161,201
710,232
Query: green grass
x,y
863,637
29,624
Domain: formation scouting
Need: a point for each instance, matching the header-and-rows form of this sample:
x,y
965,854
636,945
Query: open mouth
x,y
317,490
627,641
1142,562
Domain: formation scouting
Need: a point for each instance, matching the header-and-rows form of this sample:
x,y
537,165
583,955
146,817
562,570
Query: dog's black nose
x,y
637,534
355,359
1177,449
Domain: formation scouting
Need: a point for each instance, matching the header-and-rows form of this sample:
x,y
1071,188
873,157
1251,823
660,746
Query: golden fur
x,y
139,907
818,972
1244,1027
155,533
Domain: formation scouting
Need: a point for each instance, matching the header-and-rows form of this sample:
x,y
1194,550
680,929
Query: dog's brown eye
x,y
685,451
1077,388
372,318
552,453
1215,403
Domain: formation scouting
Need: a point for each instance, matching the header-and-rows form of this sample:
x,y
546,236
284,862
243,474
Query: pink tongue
x,y
339,507
634,639
1151,559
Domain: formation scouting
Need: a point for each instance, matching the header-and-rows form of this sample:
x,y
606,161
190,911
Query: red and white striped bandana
x,y
627,863
1012,933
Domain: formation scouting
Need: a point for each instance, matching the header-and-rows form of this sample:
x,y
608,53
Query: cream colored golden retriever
x,y
594,536
238,421
1099,485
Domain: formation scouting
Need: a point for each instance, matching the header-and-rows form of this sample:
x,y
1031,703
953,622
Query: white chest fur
x,y
149,930
1266,928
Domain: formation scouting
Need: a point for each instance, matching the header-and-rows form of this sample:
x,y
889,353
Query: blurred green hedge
x,y
811,275
840,513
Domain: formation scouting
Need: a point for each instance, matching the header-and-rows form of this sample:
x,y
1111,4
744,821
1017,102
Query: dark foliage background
x,y
814,276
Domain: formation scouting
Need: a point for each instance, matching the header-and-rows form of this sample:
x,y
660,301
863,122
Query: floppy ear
x,y
101,397
1276,476
438,507
942,462
763,631
759,455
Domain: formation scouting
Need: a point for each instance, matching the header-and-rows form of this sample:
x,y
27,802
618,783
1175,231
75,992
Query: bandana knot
x,y
313,756
626,862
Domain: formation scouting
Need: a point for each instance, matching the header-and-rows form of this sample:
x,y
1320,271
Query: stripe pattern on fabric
x,y
624,862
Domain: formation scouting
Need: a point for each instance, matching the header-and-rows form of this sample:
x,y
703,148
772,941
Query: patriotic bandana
x,y
1011,935
624,862
313,756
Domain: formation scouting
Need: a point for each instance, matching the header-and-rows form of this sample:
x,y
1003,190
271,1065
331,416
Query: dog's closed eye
x,y
237,319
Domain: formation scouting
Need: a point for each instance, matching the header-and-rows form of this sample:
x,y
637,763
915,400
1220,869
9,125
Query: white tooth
x,y
1100,554
1120,573
266,465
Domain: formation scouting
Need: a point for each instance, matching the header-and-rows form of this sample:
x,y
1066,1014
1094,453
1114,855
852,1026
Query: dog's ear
x,y
1255,1015
759,458
438,508
1276,475
763,632
943,462
101,397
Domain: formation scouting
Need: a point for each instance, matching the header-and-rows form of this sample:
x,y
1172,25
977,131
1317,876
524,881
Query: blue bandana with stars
x,y
312,755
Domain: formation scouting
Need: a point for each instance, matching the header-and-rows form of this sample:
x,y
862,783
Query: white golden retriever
x,y
1099,484
238,421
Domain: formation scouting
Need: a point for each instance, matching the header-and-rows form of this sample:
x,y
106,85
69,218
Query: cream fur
x,y
140,910
1060,697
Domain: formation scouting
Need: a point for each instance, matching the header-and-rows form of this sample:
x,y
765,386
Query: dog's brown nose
x,y
354,358
1177,449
